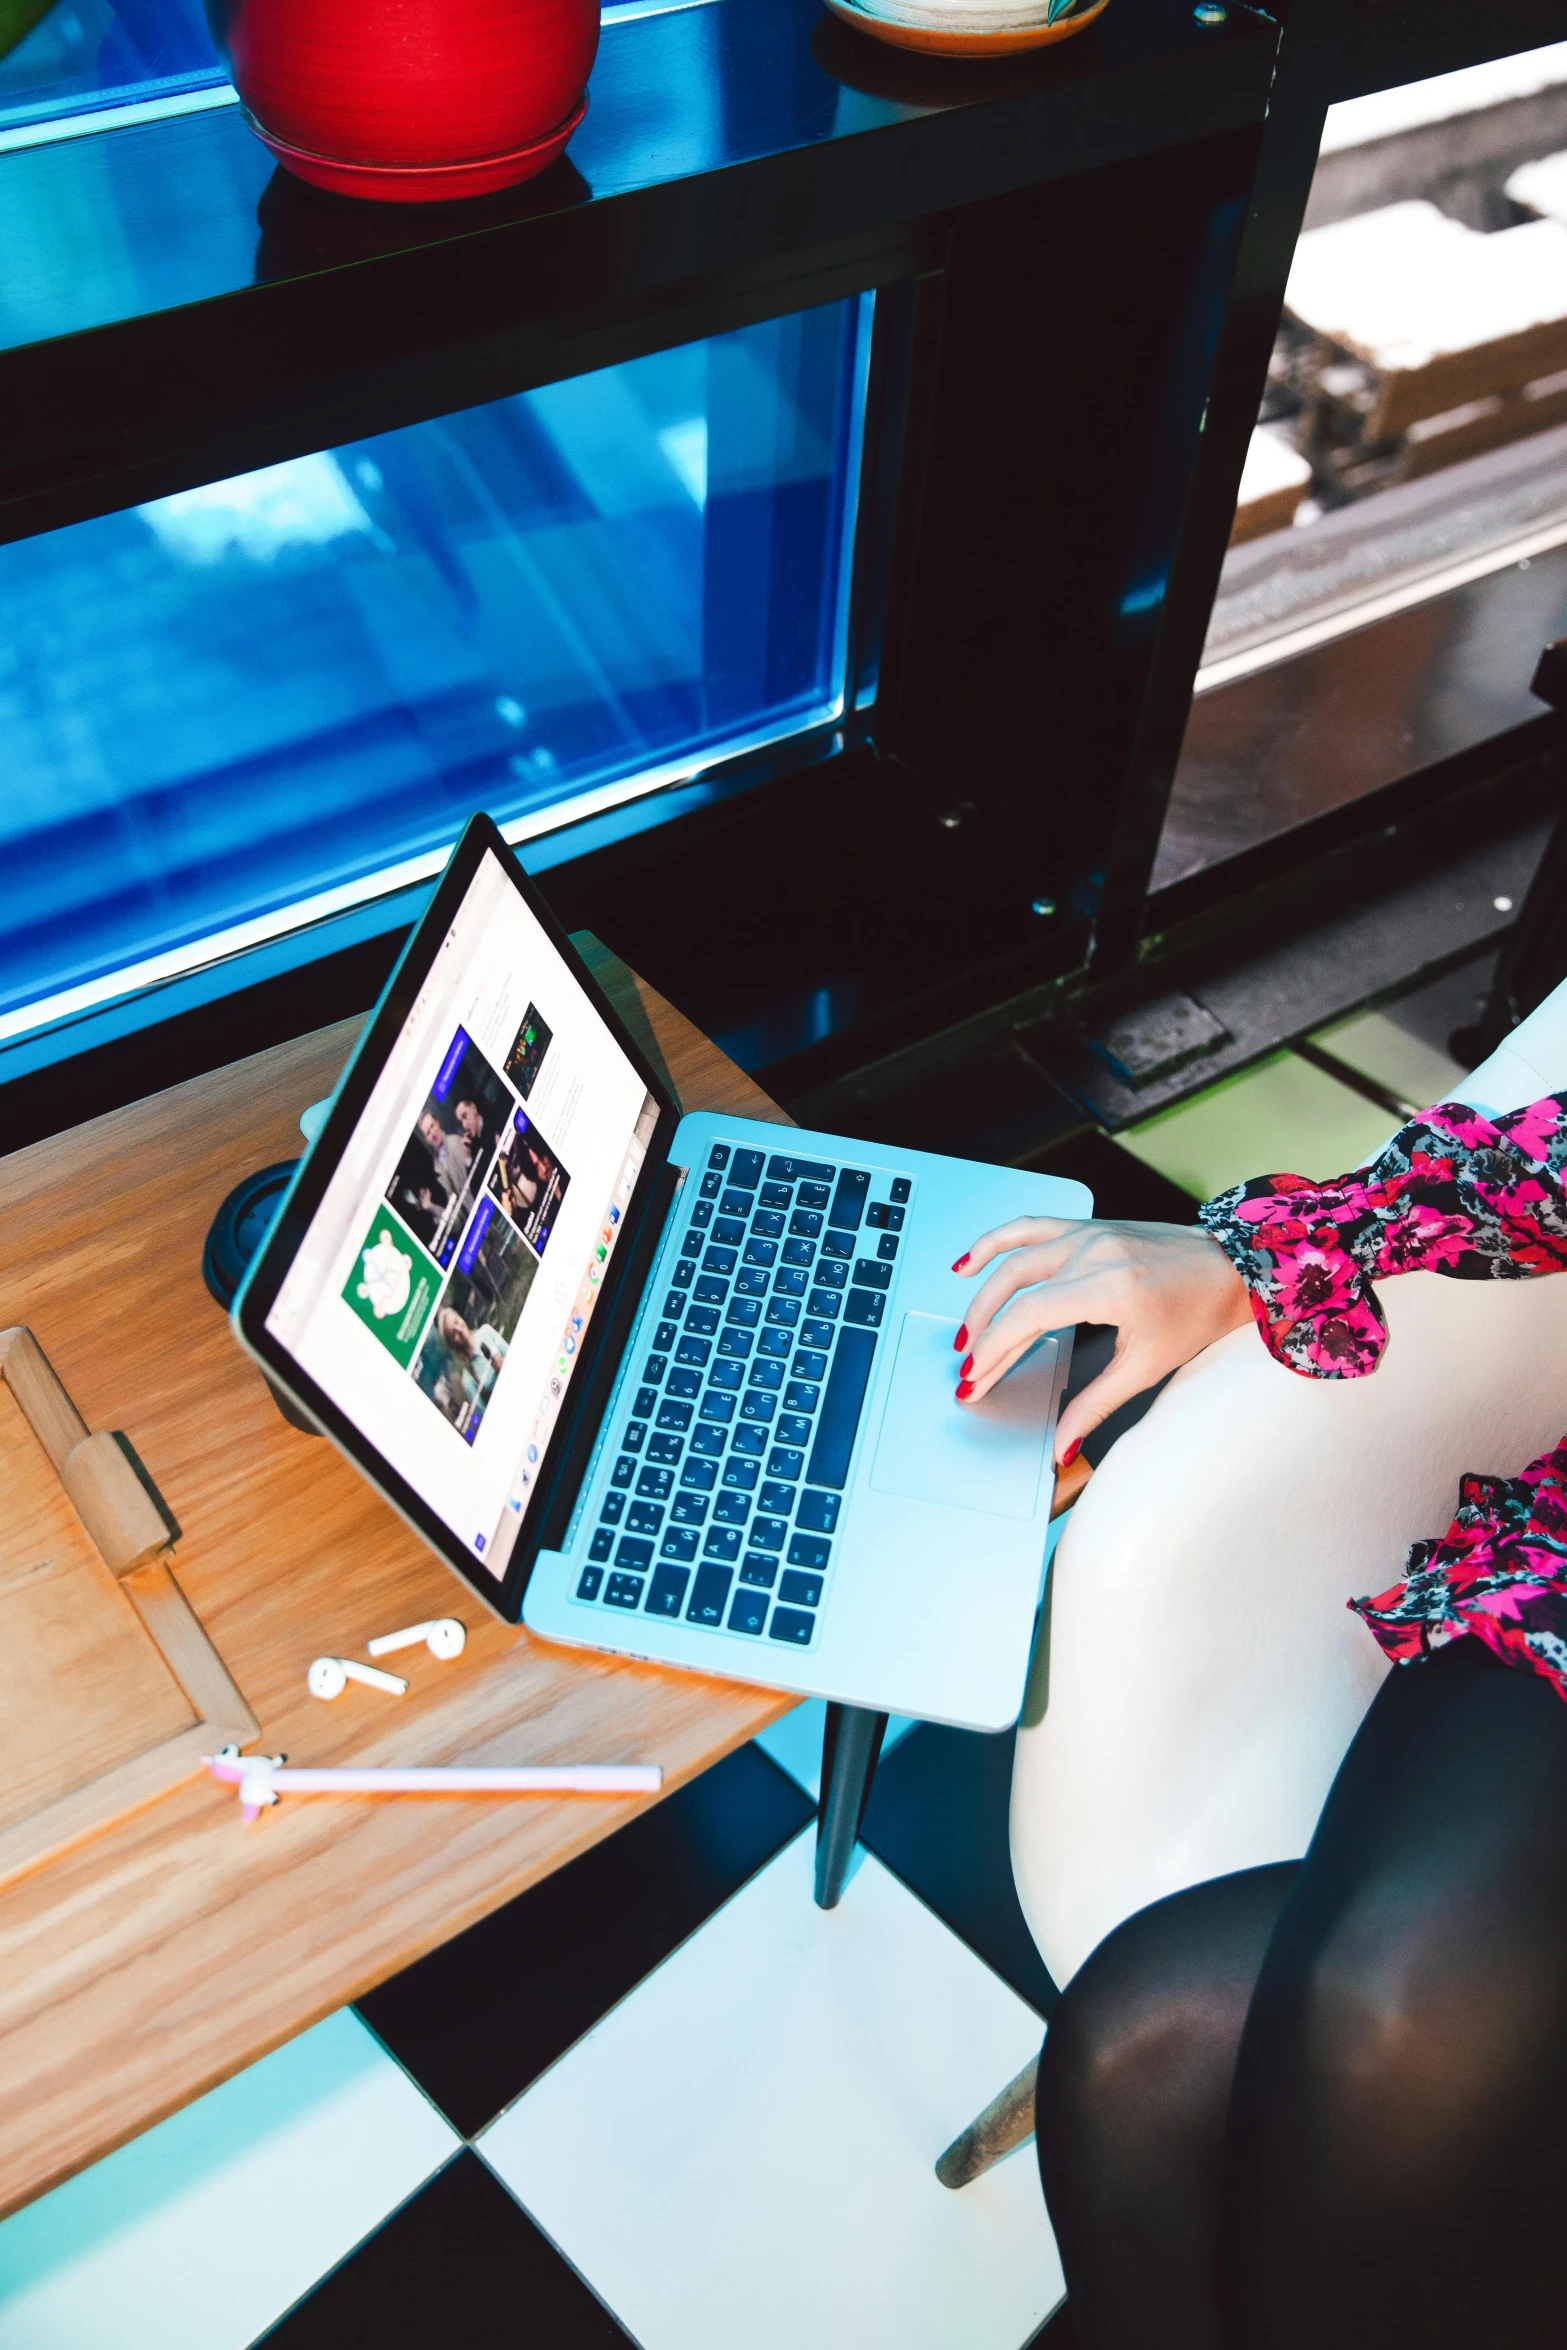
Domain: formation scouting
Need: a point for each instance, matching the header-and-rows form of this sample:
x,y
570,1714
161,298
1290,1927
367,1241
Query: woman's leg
x,y
1134,2086
1396,2164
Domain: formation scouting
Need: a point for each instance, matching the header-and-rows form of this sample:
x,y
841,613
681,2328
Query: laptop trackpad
x,y
986,1456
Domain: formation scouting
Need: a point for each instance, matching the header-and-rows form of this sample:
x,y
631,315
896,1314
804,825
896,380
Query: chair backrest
x,y
1527,1065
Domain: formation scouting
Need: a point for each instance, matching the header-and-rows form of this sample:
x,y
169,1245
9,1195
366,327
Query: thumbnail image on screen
x,y
444,1161
529,1047
529,1181
472,1327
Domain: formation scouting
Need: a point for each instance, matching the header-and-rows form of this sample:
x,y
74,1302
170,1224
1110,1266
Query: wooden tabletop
x,y
149,1964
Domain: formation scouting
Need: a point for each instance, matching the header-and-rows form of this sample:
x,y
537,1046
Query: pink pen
x,y
262,1779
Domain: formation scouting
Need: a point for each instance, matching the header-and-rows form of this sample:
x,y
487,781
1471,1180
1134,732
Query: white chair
x,y
1199,1676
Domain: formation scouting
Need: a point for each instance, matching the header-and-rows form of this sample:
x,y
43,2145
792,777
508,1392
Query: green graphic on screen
x,y
392,1287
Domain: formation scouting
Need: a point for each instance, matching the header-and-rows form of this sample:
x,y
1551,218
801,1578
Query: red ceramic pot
x,y
410,100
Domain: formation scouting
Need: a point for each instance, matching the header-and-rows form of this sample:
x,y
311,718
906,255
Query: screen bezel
x,y
258,1292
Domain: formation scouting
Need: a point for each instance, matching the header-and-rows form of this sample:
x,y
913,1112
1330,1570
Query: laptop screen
x,y
441,1291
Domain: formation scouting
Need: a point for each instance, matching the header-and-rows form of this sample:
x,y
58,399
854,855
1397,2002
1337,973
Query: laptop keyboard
x,y
724,1497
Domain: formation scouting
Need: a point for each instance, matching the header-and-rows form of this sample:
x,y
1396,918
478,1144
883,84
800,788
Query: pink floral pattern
x,y
1475,1199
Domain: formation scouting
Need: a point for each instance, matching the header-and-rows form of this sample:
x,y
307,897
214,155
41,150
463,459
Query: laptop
x,y
671,1387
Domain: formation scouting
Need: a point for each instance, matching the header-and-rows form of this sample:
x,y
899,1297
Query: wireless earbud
x,y
443,1636
329,1676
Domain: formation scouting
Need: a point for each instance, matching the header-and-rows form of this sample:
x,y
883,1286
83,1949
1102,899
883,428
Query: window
x,y
1409,467
88,54
239,708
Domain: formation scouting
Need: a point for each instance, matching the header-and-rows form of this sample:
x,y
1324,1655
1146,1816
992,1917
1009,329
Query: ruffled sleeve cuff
x,y
1290,1243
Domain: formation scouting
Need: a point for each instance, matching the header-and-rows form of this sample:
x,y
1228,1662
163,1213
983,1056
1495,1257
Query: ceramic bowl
x,y
410,101
948,36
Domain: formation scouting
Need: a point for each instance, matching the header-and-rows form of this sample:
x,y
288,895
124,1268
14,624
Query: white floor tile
x,y
795,1741
198,2235
742,2151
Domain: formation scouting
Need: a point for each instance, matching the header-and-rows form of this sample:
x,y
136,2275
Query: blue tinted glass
x,y
89,53
232,700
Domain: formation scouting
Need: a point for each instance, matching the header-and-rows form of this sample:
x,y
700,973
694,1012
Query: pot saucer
x,y
423,183
939,42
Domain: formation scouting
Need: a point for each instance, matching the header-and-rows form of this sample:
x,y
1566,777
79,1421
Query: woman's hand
x,y
1168,1290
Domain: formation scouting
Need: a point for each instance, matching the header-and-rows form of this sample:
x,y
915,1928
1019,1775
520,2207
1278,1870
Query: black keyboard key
x,y
691,1246
758,1405
708,1440
666,1591
783,1461
736,1203
805,1224
775,1195
876,1214
818,1512
708,1594
679,1543
614,1509
690,1510
665,1336
895,1219
801,1590
791,1281
809,1550
901,1187
700,1476
747,1169
865,1307
840,1246
623,1591
588,1584
816,1334
807,1365
801,1396
634,1554
674,1415
776,1498
685,1381
750,1441
718,1407
598,1549
761,1252
767,1224
749,1612
793,1430
701,1215
726,1376
729,1231
663,1448
718,1156
758,1571
731,1509
694,1351
831,1275
786,1170
675,1302
769,1375
646,1403
848,1201
774,1344
624,1470
654,1368
644,1517
742,1474
683,1276
887,1247
841,1407
636,1432
751,1284
709,1292
870,1275
789,1624
823,1301
722,1542
719,1260
815,1195
710,1187
747,1311
768,1533
798,1252
735,1345
654,1484
703,1320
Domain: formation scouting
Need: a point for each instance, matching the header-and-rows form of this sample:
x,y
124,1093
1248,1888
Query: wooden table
x,y
149,1964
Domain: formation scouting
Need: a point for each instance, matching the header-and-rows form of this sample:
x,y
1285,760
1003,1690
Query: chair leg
x,y
1007,2122
851,1744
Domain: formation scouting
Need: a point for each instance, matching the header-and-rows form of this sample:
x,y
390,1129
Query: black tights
x,y
1323,2106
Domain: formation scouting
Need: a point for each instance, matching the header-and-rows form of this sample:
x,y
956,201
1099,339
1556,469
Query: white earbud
x,y
443,1636
329,1676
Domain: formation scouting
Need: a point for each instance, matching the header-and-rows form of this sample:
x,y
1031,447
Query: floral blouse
x,y
1479,1200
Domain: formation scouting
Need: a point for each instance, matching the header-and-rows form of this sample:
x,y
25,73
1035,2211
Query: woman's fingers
x,y
1125,1375
1023,1269
1022,1232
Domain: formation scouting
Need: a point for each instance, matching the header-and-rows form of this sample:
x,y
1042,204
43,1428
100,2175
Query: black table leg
x,y
850,1746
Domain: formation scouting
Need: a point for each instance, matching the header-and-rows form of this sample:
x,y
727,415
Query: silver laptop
x,y
679,1388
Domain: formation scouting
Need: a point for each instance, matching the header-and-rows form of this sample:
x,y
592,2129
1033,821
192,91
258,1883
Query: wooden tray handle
x,y
115,1507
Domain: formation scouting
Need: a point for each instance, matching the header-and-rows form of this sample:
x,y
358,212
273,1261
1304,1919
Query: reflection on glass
x,y
83,54
233,699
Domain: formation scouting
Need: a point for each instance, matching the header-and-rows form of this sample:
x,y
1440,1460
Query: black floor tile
x,y
1057,2333
459,2264
483,2016
938,1818
1121,1184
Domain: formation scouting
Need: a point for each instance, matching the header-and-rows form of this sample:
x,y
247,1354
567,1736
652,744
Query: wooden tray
x,y
112,1690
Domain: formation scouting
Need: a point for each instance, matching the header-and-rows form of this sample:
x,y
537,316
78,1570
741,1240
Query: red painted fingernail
x,y
968,1365
961,1340
1071,1453
962,1261
965,1390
